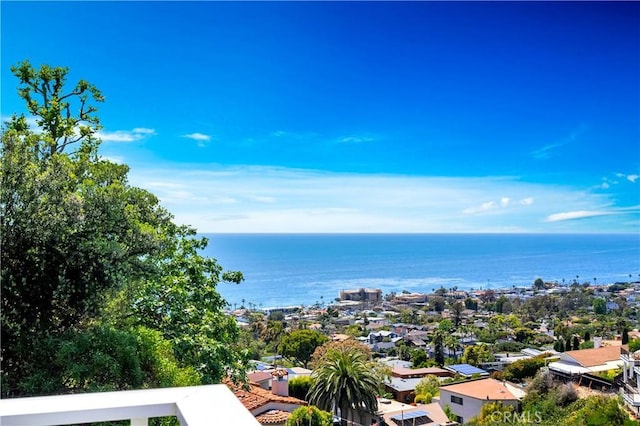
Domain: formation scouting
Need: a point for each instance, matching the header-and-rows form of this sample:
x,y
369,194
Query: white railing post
x,y
140,422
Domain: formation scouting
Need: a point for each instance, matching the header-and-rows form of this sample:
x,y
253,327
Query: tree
x,y
299,386
300,345
81,248
457,309
429,384
309,416
438,347
344,384
349,344
419,358
599,306
625,336
576,342
477,354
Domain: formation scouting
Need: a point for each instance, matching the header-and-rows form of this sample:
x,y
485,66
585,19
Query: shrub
x,y
425,398
299,386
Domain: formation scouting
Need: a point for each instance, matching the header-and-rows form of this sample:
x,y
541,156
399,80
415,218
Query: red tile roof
x,y
273,417
256,397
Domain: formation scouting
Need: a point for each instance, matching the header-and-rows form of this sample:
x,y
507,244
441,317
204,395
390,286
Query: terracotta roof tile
x,y
256,397
273,417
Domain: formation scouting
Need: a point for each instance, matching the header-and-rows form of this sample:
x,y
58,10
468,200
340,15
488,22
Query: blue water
x,y
302,269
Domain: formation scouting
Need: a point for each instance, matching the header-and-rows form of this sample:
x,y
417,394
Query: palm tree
x,y
344,383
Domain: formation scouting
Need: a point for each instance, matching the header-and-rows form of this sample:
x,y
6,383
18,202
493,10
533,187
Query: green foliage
x,y
344,380
446,325
492,411
597,410
587,345
102,358
476,354
309,416
523,368
88,259
438,347
599,306
449,413
423,398
300,345
429,384
508,347
299,386
523,334
419,358
634,345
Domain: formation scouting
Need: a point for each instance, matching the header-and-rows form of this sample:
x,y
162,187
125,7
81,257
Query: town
x,y
449,357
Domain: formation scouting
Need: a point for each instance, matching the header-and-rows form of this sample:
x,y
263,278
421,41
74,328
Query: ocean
x,y
304,269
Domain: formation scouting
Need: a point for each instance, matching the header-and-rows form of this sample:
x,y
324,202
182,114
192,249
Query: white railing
x,y
193,406
632,398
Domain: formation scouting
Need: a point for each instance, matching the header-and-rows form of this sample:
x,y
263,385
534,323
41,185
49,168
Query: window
x,y
459,419
456,400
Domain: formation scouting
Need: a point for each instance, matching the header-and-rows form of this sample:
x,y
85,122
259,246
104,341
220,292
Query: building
x,y
467,398
466,370
372,295
269,407
412,373
403,390
630,389
394,413
573,364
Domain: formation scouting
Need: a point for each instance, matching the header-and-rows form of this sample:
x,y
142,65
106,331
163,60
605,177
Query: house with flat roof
x,y
411,373
403,390
466,399
395,413
573,364
466,370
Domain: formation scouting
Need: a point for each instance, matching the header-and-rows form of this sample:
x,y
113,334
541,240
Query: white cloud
x,y
632,178
133,135
527,201
197,137
582,214
355,139
270,199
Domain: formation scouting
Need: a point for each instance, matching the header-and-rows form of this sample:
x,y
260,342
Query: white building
x,y
467,398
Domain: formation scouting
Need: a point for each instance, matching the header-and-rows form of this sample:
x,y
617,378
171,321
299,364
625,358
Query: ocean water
x,y
303,269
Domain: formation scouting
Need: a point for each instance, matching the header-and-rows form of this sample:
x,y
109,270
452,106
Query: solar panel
x,y
467,369
410,415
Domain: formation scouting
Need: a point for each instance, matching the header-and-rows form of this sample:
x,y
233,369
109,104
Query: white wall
x,y
470,406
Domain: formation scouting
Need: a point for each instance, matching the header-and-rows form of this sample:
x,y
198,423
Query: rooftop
x,y
593,357
490,389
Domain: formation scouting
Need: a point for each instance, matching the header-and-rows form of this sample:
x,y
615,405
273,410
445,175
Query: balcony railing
x,y
632,399
193,406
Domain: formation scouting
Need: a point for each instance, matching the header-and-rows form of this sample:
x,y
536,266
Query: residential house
x,y
467,398
269,407
631,378
394,413
412,373
403,390
573,364
466,370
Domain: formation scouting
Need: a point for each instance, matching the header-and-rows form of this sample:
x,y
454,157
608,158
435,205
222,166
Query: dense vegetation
x,y
100,289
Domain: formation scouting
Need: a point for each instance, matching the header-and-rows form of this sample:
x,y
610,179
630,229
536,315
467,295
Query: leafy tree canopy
x,y
87,259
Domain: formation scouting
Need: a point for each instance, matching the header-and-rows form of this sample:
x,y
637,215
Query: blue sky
x,y
361,116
